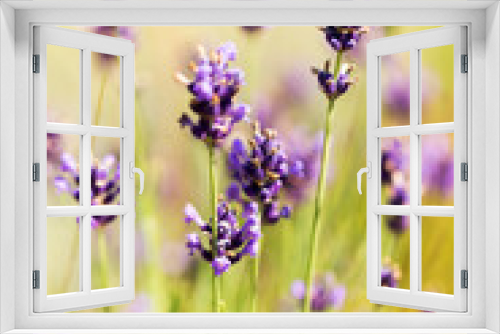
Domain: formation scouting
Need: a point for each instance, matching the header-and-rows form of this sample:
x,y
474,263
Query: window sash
x,y
413,298
86,298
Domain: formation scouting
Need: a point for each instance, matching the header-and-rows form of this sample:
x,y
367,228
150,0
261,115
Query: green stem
x,y
216,300
320,192
255,277
103,256
100,99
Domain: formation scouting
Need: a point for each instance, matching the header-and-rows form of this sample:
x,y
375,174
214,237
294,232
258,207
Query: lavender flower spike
x,y
214,86
390,274
334,87
261,170
104,180
233,241
343,38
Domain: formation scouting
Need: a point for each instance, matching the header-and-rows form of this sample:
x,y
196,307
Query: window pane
x,y
395,89
395,242
437,254
63,84
105,175
106,252
63,255
63,169
437,84
106,89
437,169
395,170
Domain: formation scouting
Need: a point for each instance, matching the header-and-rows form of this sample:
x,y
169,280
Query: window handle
x,y
368,171
133,170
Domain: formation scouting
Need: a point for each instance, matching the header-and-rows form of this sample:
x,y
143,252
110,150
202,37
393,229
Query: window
x,y
89,189
482,103
400,152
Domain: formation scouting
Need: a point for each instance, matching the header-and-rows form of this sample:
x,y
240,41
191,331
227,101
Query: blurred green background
x,y
283,92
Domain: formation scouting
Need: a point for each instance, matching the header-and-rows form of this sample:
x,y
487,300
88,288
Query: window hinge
x,y
36,172
465,63
464,172
465,279
36,279
36,63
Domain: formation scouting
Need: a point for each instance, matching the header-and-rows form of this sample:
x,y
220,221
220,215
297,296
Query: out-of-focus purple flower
x,y
390,275
175,260
398,224
113,31
252,30
338,86
343,38
437,164
396,97
325,293
234,241
214,87
104,183
291,93
301,148
54,148
394,161
141,303
359,52
261,171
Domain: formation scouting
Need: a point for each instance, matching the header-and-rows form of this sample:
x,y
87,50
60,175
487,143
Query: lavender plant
x,y
104,183
308,151
259,172
104,190
214,87
326,294
233,241
390,275
393,163
334,85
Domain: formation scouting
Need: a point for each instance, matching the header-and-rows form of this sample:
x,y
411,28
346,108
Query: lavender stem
x,y
101,241
255,273
216,302
320,190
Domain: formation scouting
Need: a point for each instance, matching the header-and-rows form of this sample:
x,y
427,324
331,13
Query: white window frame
x,y
482,19
413,43
85,43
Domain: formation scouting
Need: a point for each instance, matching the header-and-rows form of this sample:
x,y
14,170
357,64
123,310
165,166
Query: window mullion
x,y
414,171
85,163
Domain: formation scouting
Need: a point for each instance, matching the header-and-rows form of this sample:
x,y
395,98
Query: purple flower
x,y
398,224
394,161
234,241
390,275
338,86
396,97
325,293
54,148
175,260
261,170
104,180
141,303
437,164
308,152
343,38
214,87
